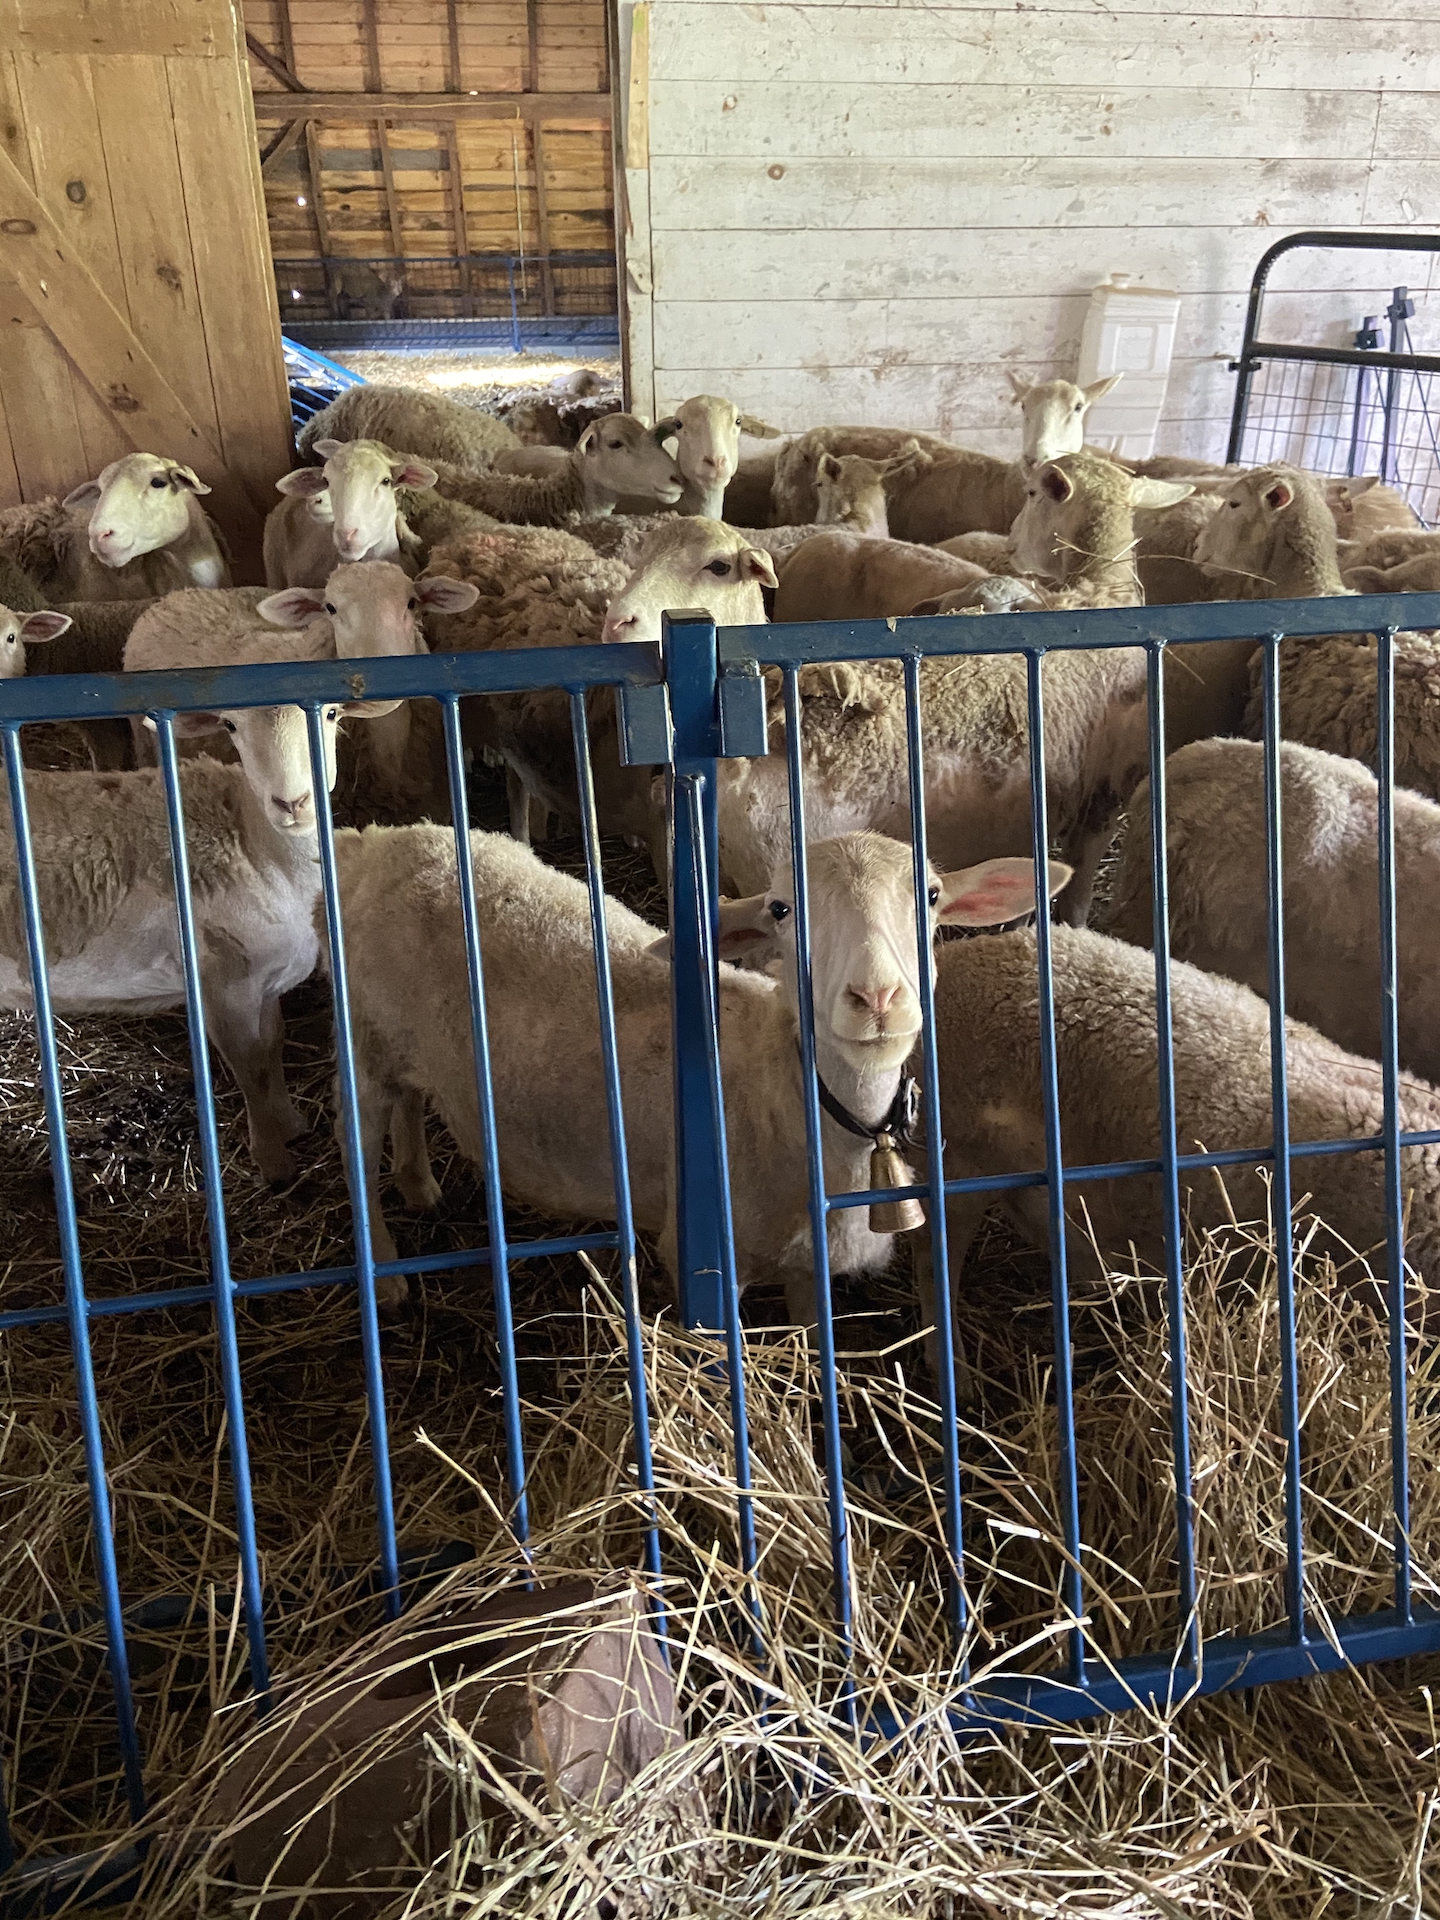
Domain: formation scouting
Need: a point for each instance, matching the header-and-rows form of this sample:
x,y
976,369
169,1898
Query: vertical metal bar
x,y
221,1278
489,1137
692,677
619,1152
355,1166
1395,313
514,309
1280,1203
839,1518
1071,1587
76,1305
957,1605
1390,1124
1188,1618
704,1039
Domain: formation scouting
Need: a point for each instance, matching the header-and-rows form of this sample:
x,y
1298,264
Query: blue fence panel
x,y
686,706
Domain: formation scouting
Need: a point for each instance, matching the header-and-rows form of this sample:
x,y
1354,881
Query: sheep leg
x,y
248,1032
375,1097
409,1153
539,828
963,1214
519,802
1085,848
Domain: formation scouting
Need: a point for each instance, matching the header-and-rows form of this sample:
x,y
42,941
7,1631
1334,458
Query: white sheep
x,y
413,1044
102,853
988,1038
136,531
793,494
845,576
850,490
17,630
617,456
428,425
349,508
1053,412
1272,538
1219,914
706,432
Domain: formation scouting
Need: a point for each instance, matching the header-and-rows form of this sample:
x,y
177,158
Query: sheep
x,y
1385,550
363,293
1165,560
793,499
987,1039
136,531
1219,917
844,576
617,456
1078,526
17,589
1272,538
1364,507
850,490
102,852
350,507
993,551
748,501
707,434
429,425
1419,574
413,1043
1054,415
19,629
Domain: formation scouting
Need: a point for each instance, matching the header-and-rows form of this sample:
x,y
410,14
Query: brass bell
x,y
888,1169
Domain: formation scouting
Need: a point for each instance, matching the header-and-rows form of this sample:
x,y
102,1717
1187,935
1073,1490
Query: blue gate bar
x,y
1071,1585
619,1150
1187,1593
1280,1200
489,1134
934,1186
836,1510
224,1292
355,1167
117,1654
1390,1074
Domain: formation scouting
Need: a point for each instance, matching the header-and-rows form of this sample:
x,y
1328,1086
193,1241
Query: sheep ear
x,y
1056,482
1352,489
1159,493
412,473
189,726
758,429
1098,389
441,594
86,496
1018,386
44,626
756,564
589,440
294,607
369,709
829,466
745,926
326,447
923,609
665,430
304,483
995,892
1278,496
187,478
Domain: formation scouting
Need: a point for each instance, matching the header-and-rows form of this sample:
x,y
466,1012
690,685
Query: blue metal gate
x,y
684,706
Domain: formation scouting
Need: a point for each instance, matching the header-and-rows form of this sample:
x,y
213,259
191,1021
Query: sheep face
x,y
16,629
1054,415
863,964
693,563
619,456
138,505
850,490
274,748
1237,543
1079,514
355,491
375,607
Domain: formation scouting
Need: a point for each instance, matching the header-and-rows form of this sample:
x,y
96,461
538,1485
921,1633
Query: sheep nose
x,y
878,999
618,625
293,807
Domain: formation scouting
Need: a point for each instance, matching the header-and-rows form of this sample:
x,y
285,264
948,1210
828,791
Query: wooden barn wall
x,y
135,307
869,212
456,170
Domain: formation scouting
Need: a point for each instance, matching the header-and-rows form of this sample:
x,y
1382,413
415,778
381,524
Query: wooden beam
x,y
273,153
458,217
102,346
287,34
357,108
532,34
273,64
454,72
637,115
370,14
317,204
542,216
387,168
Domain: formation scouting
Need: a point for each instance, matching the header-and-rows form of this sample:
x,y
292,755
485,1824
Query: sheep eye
x,y
229,725
159,481
933,896
332,713
387,481
719,568
1079,406
779,910
412,604
328,607
616,445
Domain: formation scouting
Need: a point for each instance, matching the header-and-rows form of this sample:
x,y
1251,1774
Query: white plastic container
x,y
1129,330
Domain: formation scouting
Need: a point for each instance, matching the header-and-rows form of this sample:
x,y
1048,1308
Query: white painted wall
x,y
868,212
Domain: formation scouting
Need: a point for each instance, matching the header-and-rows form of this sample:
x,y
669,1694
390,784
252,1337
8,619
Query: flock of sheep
x,y
423,523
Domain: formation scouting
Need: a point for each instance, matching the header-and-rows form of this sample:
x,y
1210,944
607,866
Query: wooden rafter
x,y
273,153
460,106
457,205
287,34
387,169
370,15
317,199
532,34
542,216
454,76
272,63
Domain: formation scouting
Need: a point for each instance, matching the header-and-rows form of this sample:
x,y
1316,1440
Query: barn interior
x,y
928,233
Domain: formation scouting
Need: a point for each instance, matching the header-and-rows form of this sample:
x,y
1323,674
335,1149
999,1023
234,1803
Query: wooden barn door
x,y
137,307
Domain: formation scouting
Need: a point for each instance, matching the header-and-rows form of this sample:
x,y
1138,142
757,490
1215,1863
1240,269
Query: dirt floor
x,y
470,375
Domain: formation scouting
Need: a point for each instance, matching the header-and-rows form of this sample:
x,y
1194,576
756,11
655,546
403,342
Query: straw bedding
x,y
1289,1801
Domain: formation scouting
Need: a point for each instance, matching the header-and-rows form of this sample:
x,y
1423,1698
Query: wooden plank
x,y
637,109
370,19
479,106
532,41
458,215
234,279
11,492
38,385
139,127
811,196
898,121
317,186
392,204
200,28
287,35
284,143
272,63
542,217
454,66
14,133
